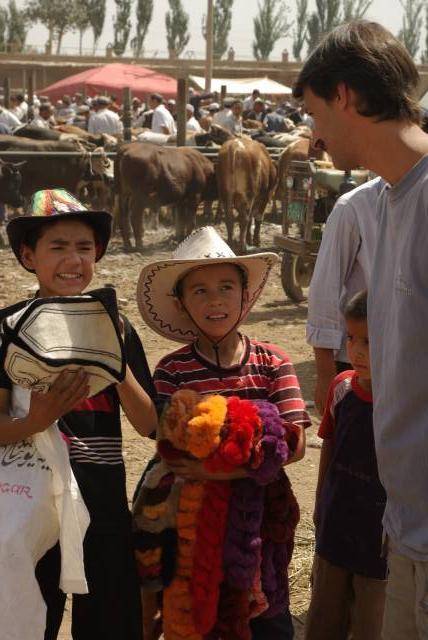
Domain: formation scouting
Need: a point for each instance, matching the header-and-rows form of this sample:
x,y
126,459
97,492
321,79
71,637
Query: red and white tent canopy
x,y
112,79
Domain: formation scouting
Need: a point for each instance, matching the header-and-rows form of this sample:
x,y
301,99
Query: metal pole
x,y
6,92
210,46
127,119
181,111
30,112
223,94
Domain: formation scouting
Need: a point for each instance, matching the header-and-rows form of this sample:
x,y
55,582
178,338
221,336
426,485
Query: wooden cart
x,y
309,198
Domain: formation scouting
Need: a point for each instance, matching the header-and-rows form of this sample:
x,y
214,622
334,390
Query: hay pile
x,y
300,567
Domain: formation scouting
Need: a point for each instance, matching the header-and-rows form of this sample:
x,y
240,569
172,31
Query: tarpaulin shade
x,y
112,79
244,86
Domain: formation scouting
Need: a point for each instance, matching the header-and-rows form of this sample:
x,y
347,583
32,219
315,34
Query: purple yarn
x,y
275,577
275,448
242,540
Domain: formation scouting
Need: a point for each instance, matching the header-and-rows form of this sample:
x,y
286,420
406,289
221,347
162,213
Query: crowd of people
x,y
104,114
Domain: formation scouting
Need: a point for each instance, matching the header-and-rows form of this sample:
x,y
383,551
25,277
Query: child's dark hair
x,y
35,231
356,308
178,289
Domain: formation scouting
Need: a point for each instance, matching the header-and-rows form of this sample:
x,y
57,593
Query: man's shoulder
x,y
368,192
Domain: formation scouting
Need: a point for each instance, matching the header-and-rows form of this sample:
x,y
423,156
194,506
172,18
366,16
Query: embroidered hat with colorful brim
x,y
50,335
52,205
156,285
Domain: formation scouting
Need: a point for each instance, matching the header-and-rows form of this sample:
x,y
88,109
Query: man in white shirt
x,y
220,117
9,119
44,119
18,106
249,101
162,120
233,121
342,269
192,124
104,120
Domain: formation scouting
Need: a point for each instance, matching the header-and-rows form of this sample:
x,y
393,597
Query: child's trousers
x,y
112,609
344,602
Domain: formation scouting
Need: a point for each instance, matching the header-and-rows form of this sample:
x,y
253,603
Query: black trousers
x,y
112,608
279,627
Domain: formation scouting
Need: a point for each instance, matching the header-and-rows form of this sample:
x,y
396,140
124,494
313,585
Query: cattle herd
x,y
237,171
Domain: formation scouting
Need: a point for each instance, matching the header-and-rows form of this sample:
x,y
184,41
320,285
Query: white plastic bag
x,y
39,504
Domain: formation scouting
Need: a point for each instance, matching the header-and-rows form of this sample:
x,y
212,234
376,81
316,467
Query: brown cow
x,y
246,178
148,176
46,172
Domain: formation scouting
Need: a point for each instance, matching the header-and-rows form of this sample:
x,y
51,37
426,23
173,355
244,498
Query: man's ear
x,y
27,257
345,97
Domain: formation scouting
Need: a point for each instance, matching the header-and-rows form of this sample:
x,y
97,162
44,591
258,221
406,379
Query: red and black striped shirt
x,y
263,373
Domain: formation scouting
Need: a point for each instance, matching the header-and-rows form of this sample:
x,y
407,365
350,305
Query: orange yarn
x,y
177,600
204,429
177,416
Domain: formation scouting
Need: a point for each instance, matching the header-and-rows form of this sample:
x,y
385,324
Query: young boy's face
x,y
358,347
213,295
63,259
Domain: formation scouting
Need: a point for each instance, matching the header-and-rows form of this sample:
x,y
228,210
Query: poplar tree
x,y
122,26
355,9
301,29
82,22
222,23
177,23
17,26
144,13
96,13
270,25
410,32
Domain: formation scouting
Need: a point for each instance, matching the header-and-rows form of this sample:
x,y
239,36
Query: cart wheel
x,y
296,273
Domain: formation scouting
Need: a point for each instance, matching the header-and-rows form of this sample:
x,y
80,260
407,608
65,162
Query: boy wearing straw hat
x,y
60,243
200,298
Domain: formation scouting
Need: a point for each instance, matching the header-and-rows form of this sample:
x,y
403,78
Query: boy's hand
x,y
190,469
68,390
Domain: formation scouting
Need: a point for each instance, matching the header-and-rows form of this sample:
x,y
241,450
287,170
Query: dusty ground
x,y
274,318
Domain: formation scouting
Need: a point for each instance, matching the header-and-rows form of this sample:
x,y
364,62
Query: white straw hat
x,y
156,285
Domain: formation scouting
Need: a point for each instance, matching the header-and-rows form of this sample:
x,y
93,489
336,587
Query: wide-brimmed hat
x,y
52,334
156,285
51,205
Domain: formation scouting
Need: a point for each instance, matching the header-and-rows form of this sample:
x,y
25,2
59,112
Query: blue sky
x,y
388,12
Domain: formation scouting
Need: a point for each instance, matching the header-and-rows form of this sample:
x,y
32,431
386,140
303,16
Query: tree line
x,y
274,21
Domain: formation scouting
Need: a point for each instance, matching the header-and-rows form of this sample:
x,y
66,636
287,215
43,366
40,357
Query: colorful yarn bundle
x,y
218,583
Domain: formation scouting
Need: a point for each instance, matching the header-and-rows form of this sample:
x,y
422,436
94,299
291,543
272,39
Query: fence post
x,y
182,90
6,92
30,90
126,119
223,91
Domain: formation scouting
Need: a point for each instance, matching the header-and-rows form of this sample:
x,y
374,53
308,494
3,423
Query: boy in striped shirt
x,y
200,297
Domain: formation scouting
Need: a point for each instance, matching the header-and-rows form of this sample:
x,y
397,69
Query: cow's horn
x,y
17,165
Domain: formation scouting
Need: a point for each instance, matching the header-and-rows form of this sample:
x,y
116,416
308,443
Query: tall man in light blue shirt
x,y
360,87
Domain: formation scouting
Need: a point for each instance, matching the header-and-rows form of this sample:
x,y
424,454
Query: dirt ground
x,y
274,319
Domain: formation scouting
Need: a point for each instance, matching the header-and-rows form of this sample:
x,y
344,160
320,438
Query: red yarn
x,y
208,555
234,614
242,425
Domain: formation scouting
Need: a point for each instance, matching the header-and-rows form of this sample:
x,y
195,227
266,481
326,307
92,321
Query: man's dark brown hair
x,y
371,61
